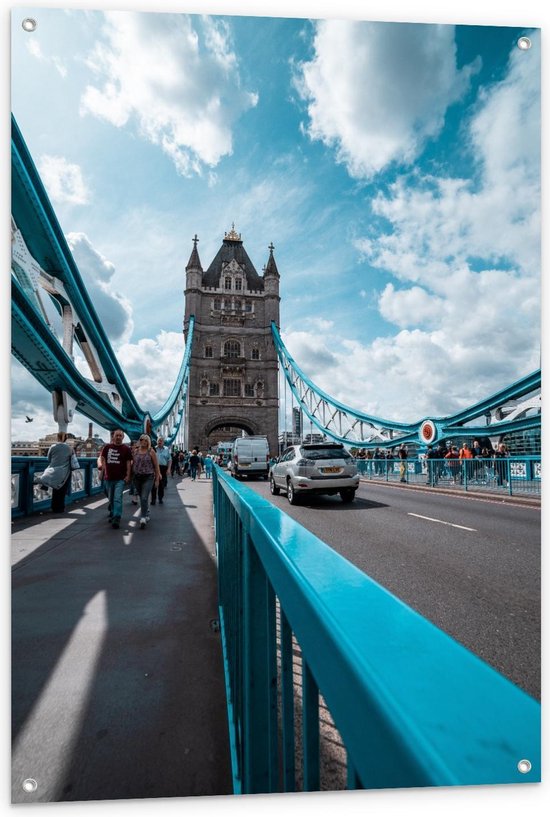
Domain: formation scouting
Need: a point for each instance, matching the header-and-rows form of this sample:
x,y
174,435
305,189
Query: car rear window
x,y
325,453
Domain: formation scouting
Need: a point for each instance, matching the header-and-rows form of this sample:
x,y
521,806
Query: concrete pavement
x,y
117,678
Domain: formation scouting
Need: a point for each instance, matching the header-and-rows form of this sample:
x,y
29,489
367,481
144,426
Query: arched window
x,y
232,348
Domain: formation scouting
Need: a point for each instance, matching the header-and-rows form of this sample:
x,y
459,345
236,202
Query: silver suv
x,y
316,468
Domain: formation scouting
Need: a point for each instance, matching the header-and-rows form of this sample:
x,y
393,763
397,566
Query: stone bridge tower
x,y
233,377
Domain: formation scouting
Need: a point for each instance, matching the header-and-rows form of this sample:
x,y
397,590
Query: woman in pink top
x,y
146,472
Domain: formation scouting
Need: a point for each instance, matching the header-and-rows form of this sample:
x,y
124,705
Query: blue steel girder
x,y
168,419
333,418
353,427
34,345
36,220
43,262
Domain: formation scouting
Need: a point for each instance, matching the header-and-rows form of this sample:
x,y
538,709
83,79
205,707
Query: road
x,y
470,566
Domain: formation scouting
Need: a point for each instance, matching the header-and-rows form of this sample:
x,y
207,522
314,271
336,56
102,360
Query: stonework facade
x,y
233,377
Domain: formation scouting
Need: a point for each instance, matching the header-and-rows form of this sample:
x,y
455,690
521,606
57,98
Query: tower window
x,y
238,306
217,303
208,351
238,283
227,283
214,389
248,390
248,306
231,387
232,348
255,354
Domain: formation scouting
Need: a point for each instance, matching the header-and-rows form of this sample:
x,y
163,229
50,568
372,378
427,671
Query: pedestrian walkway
x,y
118,688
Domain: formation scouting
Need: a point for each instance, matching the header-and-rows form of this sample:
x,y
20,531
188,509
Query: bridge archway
x,y
224,429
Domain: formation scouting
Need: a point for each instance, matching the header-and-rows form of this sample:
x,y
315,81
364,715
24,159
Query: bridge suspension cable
x,y
515,408
44,270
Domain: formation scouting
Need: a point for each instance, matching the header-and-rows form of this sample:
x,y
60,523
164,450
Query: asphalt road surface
x,y
470,566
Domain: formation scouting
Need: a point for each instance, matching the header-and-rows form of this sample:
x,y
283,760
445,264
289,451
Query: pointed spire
x,y
194,260
271,266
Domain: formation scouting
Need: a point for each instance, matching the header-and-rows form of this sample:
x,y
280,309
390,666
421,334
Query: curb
x,y
529,501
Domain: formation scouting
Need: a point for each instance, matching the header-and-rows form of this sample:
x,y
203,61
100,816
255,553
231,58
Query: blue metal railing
x,y
509,475
26,495
412,706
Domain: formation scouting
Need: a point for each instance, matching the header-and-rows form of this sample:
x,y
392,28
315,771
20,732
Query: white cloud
x,y
35,49
387,97
410,307
185,96
151,367
63,180
467,261
113,309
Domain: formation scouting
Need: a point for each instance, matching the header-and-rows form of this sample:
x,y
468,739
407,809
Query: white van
x,y
250,457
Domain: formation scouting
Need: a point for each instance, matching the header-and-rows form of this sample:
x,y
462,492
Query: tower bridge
x,y
252,573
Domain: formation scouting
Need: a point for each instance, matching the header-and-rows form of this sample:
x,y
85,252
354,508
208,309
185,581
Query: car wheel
x,y
291,493
272,487
348,495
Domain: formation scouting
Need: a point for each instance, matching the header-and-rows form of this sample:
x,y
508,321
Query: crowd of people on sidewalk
x,y
144,468
474,462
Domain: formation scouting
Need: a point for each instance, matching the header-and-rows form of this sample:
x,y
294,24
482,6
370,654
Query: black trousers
x,y
58,496
162,484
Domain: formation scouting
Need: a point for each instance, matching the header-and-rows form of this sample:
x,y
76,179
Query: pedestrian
x,y
116,462
208,466
403,453
146,474
465,455
200,464
431,457
454,465
102,472
193,464
133,491
57,474
165,462
501,466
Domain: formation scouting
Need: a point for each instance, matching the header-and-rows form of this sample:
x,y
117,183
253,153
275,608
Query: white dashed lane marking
x,y
442,522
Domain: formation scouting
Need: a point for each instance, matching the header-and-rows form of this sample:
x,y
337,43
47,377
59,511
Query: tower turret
x,y
193,283
271,288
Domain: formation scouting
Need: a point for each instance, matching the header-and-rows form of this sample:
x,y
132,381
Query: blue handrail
x,y
518,476
26,495
413,707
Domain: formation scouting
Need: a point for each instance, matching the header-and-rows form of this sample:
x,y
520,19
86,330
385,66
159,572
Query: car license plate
x,y
332,469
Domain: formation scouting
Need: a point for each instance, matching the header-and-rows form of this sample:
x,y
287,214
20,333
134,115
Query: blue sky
x,y
395,167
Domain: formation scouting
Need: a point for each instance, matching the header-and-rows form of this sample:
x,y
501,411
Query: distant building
x,y
287,438
83,448
24,448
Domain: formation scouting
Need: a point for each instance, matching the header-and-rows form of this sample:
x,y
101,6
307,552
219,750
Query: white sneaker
x,y
143,522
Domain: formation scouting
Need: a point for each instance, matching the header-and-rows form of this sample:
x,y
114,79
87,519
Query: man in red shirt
x,y
116,461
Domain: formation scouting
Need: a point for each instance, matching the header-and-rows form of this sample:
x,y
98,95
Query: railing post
x,y
287,705
259,676
310,699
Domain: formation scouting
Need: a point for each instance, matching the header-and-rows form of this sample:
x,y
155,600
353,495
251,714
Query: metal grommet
x,y
524,766
524,43
29,24
29,785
